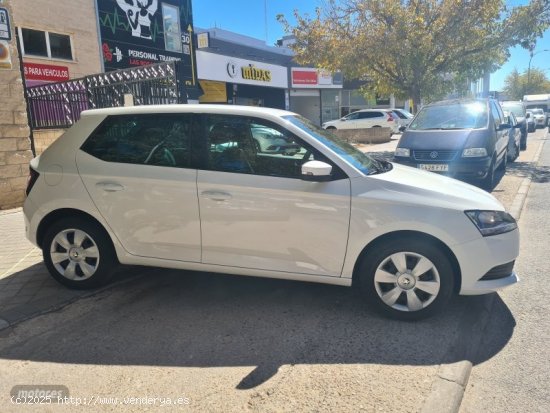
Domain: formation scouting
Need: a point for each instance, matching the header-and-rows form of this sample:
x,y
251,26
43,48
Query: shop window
x,y
172,31
45,44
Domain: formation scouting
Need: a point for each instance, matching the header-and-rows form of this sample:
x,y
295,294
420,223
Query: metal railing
x,y
58,105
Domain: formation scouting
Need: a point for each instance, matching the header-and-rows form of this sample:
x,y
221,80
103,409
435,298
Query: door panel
x,y
273,223
153,211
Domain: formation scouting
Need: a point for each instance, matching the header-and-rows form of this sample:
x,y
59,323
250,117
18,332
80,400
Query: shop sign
x,y
214,92
141,32
202,40
212,66
47,73
304,77
252,73
309,77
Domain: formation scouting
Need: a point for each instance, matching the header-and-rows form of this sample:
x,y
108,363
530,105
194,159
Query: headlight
x,y
492,222
405,152
474,152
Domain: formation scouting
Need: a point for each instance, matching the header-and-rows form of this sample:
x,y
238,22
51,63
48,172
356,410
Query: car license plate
x,y
434,167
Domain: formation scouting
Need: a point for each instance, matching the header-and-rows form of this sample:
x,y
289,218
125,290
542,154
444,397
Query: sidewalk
x,y
26,288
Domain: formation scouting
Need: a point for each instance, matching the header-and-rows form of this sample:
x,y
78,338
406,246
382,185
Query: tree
x,y
517,85
415,48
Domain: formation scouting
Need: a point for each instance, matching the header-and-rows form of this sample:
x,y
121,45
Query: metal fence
x,y
58,105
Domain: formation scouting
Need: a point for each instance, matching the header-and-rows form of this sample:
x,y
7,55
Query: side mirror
x,y
316,171
402,128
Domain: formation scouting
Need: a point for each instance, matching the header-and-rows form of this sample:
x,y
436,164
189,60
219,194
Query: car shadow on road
x,y
538,173
189,319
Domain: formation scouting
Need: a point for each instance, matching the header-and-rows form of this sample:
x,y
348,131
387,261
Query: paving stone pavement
x,y
26,289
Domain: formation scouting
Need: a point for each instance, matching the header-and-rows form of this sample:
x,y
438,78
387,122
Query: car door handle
x,y
216,195
110,186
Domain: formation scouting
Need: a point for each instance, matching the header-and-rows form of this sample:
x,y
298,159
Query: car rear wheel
x,y
406,279
78,253
331,127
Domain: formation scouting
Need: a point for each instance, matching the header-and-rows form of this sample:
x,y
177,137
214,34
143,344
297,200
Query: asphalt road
x,y
515,379
233,344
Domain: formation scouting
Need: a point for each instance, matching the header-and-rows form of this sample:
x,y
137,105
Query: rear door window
x,y
145,139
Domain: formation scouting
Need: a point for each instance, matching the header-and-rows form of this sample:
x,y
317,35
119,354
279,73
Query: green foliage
x,y
415,48
517,85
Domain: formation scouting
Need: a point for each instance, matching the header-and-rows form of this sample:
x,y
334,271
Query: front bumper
x,y
481,257
464,168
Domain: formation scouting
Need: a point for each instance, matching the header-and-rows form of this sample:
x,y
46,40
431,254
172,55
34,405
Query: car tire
x,y
396,292
78,253
523,141
503,162
488,182
514,154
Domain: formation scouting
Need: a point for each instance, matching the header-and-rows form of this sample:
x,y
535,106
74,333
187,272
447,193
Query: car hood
x,y
443,139
413,186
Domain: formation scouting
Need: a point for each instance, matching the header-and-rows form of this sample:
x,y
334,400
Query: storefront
x,y
315,93
233,80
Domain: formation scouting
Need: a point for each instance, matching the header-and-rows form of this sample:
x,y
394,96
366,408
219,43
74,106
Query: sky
x,y
248,17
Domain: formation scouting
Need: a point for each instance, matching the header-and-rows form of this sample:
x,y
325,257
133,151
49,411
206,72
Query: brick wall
x,y
45,137
368,135
15,151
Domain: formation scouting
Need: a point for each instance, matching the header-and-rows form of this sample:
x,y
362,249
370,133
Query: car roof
x,y
188,108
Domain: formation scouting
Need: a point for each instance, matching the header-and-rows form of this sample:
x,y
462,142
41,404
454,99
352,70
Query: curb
x,y
521,196
10,211
451,379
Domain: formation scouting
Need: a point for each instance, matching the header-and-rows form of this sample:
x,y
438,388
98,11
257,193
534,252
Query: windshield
x,y
517,108
349,153
458,115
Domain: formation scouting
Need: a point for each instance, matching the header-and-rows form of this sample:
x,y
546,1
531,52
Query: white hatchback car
x,y
184,186
366,118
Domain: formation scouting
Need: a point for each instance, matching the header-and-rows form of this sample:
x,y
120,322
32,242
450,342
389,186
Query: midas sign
x,y
253,73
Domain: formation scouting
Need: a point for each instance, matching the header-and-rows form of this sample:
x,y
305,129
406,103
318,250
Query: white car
x,y
164,186
404,117
366,118
539,117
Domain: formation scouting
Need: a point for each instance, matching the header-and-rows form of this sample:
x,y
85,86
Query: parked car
x,y
531,124
539,117
514,136
165,186
518,108
365,118
463,138
404,117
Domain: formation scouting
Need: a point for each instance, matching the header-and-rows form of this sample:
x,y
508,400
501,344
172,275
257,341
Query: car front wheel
x,y
406,279
78,253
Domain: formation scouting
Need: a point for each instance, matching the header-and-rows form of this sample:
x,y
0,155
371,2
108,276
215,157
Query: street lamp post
x,y
529,67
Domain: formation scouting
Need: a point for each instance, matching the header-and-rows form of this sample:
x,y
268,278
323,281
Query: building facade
x,y
58,40
15,147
